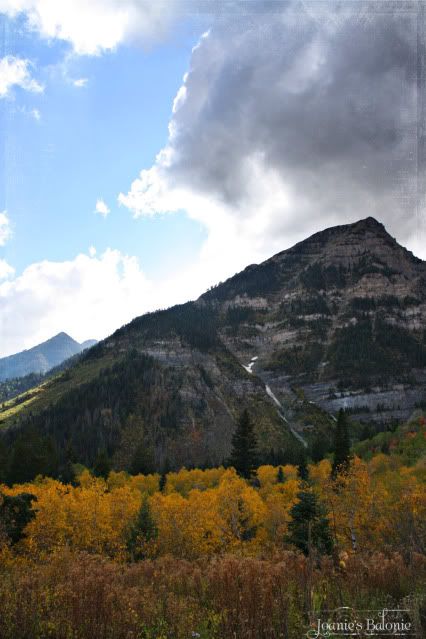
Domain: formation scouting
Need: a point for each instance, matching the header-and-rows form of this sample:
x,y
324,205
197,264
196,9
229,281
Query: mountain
x,y
338,320
88,344
41,358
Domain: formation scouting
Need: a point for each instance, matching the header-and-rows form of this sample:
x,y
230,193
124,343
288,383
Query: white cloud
x,y
5,270
101,207
286,123
36,114
96,26
15,71
80,82
86,297
5,228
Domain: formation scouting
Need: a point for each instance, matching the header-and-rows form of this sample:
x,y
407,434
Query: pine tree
x,y
142,534
143,460
102,465
309,529
342,447
15,513
244,456
32,455
4,462
302,467
163,476
320,448
280,475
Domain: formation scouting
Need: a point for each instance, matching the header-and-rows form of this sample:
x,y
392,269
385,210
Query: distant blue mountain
x,y
43,357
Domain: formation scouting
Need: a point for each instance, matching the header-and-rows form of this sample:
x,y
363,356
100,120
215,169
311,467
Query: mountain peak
x,y
42,357
369,222
62,336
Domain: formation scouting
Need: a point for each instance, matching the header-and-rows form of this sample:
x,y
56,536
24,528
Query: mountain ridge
x,y
41,358
336,321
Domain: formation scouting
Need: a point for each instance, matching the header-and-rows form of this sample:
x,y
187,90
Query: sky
x,y
150,150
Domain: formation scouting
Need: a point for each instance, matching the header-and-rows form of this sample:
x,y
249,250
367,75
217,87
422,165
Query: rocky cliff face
x,y
341,316
336,321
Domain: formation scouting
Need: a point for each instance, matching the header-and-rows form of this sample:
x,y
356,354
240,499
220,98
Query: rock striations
x,y
338,320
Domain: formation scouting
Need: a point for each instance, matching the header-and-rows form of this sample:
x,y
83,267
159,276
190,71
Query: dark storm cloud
x,y
326,94
295,116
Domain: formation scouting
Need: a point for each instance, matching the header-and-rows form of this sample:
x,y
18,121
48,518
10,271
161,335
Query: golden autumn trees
x,y
376,504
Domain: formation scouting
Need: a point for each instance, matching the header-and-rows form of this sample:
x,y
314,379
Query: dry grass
x,y
79,596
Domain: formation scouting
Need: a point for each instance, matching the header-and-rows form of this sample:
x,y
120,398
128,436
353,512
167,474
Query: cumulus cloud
x,y
86,297
5,228
16,72
5,270
101,207
290,120
96,26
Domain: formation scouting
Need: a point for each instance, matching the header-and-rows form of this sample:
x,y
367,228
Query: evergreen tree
x,y
302,467
4,461
320,448
163,476
102,465
66,473
142,534
142,462
244,456
308,529
280,475
15,513
342,446
32,455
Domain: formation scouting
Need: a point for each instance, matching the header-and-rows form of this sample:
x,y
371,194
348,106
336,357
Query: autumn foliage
x,y
211,553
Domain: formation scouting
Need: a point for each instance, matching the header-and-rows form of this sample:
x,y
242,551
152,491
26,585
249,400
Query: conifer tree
x,y
342,446
4,462
302,467
142,462
32,455
15,513
142,534
102,465
244,456
280,475
308,529
163,476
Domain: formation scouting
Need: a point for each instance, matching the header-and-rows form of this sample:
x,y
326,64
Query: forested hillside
x,y
337,321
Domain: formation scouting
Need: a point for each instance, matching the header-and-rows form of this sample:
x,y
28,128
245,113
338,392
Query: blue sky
x,y
149,150
89,143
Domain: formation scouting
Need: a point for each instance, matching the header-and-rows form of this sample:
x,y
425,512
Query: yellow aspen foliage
x,y
145,484
51,527
182,531
267,475
379,504
320,473
185,480
117,479
279,502
86,517
241,509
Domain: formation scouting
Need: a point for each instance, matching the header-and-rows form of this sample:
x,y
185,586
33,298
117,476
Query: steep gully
x,y
279,407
